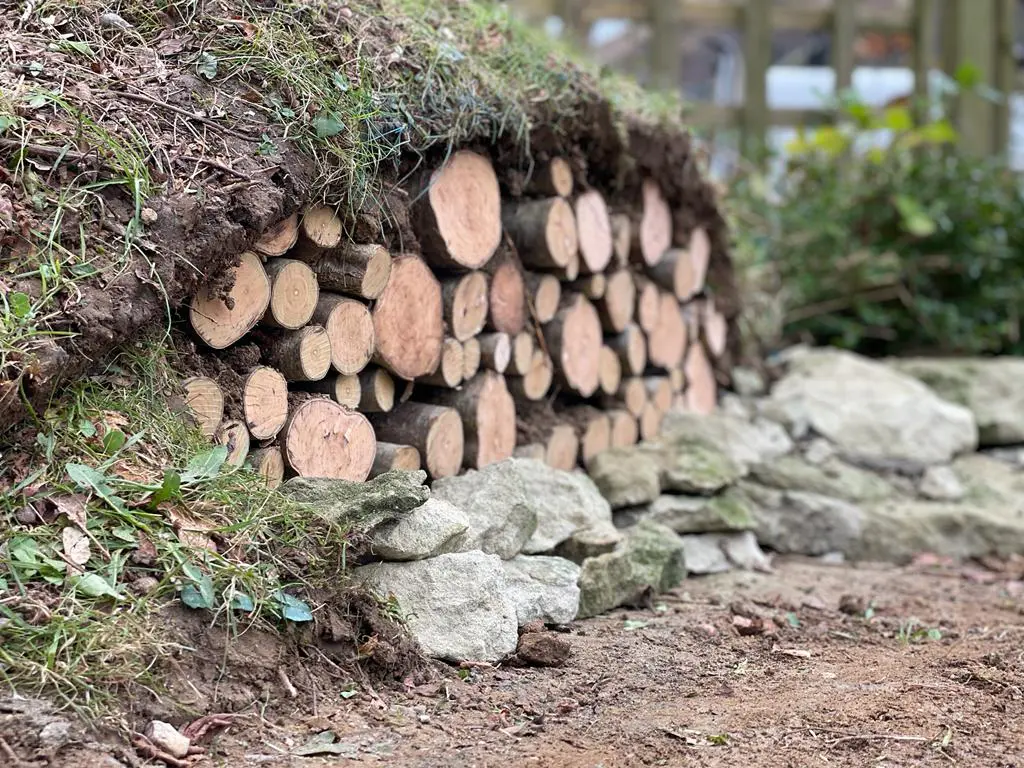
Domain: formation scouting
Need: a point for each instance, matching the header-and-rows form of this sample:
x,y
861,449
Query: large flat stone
x,y
542,588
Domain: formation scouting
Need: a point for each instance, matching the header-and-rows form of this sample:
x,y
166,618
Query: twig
x,y
10,754
184,113
283,676
876,737
214,164
45,150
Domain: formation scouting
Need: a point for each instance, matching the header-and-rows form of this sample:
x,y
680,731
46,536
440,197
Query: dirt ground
x,y
866,665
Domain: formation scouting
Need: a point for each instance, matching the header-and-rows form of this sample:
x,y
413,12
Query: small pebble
x,y
543,650
168,738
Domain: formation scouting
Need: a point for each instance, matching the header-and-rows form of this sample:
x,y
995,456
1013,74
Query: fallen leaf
x,y
76,546
72,506
796,653
631,624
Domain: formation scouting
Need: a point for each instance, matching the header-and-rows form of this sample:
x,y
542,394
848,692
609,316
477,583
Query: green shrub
x,y
915,247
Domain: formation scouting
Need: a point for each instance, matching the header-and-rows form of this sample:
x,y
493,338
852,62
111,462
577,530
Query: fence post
x,y
666,40
974,27
844,38
757,41
1006,71
925,17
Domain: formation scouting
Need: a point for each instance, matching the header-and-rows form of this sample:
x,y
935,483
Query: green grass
x,y
114,472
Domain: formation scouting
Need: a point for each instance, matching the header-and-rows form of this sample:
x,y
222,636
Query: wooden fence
x,y
946,34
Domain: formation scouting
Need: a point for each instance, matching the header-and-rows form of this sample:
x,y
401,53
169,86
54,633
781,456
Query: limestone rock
x,y
495,500
690,467
729,511
744,442
744,552
831,477
650,557
709,553
589,543
794,522
627,477
542,588
168,738
427,531
989,387
819,450
747,382
361,506
941,484
454,605
871,411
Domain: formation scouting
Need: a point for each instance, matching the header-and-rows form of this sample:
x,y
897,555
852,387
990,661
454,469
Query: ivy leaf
x,y
199,594
206,465
20,303
207,66
327,125
242,602
293,609
898,119
93,585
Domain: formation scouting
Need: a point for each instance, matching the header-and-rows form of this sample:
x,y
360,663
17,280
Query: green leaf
x,y
206,465
632,624
915,219
719,739
21,304
939,132
967,75
242,602
898,119
327,125
113,441
86,428
84,270
207,66
6,121
88,478
200,593
792,620
293,609
80,47
93,585
169,489
194,598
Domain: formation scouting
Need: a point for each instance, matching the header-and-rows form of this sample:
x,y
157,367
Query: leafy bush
x,y
909,247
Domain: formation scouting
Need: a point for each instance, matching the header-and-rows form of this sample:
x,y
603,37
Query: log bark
x,y
344,389
319,231
666,344
278,239
356,269
351,331
631,348
221,320
449,372
433,430
294,292
324,439
625,430
264,402
659,392
496,351
622,240
488,416
537,423
700,256
544,294
523,348
618,304
648,304
573,340
593,287
654,234
459,216
594,228
269,464
507,293
536,383
377,391
594,429
235,437
391,456
205,399
677,380
544,232
408,320
465,304
471,358
611,371
701,389
650,423
302,355
552,179
675,273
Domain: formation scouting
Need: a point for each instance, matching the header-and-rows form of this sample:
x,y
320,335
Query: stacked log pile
x,y
546,326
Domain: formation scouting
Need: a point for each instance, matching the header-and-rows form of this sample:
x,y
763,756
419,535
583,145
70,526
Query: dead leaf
x,y
72,506
76,546
145,554
796,653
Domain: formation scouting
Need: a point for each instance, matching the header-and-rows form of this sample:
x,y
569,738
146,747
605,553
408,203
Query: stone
x,y
941,484
495,500
748,382
542,588
729,511
168,738
871,411
427,531
360,506
627,477
744,442
832,477
649,558
455,605
794,522
589,543
704,554
744,552
989,387
733,405
819,450
690,467
543,650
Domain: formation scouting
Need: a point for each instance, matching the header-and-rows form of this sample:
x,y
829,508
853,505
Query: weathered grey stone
x,y
744,552
455,605
832,477
590,543
361,506
650,557
819,450
742,441
871,411
941,484
627,477
704,554
733,405
691,467
729,511
427,531
989,387
989,482
793,522
495,501
747,382
542,588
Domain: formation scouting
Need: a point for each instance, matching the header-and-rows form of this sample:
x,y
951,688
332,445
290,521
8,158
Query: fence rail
x,y
945,33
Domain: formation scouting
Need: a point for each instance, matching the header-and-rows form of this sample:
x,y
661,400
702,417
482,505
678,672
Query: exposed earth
x,y
856,665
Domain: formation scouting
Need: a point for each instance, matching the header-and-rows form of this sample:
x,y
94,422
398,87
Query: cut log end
x,y
536,382
234,436
391,456
633,394
435,431
545,293
659,392
650,423
648,305
449,372
205,399
472,358
324,439
279,238
522,360
654,235
625,430
618,304
667,342
611,371
563,448
552,179
594,226
221,321
265,402
302,355
350,330
294,292
320,230
702,390
466,304
594,428
377,391
574,340
631,348
269,464
544,232
358,269
408,320
715,330
507,299
622,239
496,351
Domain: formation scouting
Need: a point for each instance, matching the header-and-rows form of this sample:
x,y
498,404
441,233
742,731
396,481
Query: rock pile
x,y
845,457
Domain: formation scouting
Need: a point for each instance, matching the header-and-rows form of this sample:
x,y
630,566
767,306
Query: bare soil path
x,y
845,666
